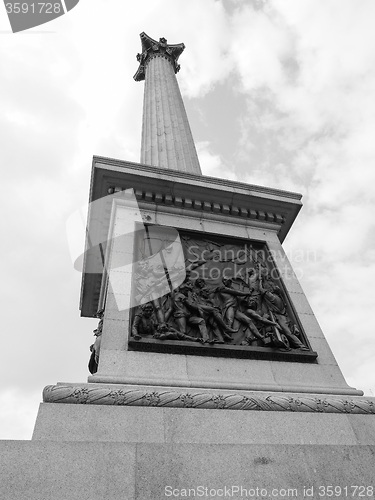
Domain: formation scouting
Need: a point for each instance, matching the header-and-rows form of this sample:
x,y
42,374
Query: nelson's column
x,y
209,368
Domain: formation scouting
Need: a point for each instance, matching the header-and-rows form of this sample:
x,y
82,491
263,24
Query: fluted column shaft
x,y
167,140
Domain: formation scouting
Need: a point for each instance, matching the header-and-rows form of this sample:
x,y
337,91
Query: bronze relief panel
x,y
211,295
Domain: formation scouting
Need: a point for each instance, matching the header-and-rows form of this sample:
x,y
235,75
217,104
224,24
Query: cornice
x,y
176,174
157,198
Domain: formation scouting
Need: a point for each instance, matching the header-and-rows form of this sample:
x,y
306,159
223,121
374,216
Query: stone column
x,y
167,140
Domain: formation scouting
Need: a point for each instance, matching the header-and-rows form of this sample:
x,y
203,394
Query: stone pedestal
x,y
216,209
196,420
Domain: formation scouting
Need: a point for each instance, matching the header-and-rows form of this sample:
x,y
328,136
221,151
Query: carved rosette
x,y
178,398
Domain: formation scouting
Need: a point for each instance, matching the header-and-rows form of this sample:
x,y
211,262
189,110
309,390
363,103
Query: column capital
x,y
151,48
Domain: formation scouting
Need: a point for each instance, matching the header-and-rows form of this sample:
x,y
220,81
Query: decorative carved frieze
x,y
96,394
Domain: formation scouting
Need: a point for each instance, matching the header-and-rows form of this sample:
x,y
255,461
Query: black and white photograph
x,y
188,249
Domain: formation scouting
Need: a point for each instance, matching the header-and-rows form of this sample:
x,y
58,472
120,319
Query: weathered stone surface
x,y
74,471
274,469
148,471
147,424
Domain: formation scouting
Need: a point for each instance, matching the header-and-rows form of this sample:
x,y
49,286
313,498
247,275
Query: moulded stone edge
x,y
193,398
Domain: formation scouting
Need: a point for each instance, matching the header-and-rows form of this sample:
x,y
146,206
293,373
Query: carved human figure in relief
x,y
216,335
207,307
185,311
144,323
228,296
95,347
149,279
167,332
231,300
276,305
253,277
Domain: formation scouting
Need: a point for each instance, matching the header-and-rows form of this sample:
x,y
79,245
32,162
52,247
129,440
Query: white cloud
x,y
309,76
212,164
19,410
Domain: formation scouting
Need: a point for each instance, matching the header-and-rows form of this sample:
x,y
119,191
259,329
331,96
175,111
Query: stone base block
x,y
134,424
114,452
50,470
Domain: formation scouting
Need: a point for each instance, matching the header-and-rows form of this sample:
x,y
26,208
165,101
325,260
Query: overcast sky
x,y
278,93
